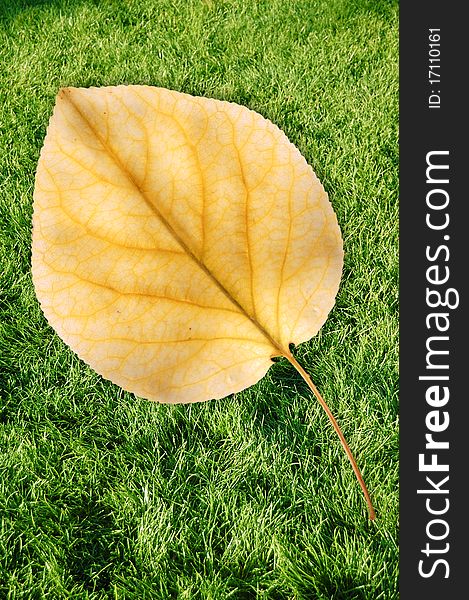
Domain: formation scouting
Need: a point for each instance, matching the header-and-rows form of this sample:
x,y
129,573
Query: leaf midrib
x,y
171,230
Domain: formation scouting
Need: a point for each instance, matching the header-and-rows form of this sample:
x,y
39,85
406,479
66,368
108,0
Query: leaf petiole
x,y
335,425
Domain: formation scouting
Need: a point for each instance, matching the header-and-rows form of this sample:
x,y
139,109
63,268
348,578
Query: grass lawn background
x,y
104,495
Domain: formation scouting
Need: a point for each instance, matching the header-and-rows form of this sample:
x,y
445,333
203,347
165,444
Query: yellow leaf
x,y
179,243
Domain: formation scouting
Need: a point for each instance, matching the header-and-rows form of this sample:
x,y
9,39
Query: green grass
x,y
106,496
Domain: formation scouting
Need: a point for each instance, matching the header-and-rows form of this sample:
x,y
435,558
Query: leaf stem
x,y
335,425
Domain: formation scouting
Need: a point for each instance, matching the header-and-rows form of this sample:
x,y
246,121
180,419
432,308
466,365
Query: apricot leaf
x,y
179,243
